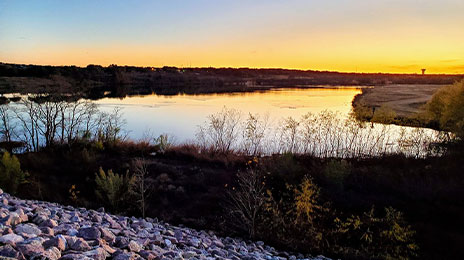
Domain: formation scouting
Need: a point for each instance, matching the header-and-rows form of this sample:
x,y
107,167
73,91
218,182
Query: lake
x,y
301,120
181,114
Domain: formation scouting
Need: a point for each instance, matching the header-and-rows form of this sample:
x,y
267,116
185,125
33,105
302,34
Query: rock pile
x,y
41,230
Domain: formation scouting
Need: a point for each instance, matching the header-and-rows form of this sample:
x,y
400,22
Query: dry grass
x,y
405,100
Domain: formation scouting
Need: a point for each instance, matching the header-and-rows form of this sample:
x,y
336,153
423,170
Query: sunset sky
x,y
363,36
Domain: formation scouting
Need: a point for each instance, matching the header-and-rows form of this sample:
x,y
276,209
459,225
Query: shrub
x,y
296,216
384,115
289,135
306,204
112,188
447,108
362,112
246,201
141,186
11,175
371,237
336,171
220,132
298,219
253,134
99,145
163,142
73,194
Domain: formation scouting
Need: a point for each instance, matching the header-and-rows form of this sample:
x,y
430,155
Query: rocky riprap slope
x,y
42,230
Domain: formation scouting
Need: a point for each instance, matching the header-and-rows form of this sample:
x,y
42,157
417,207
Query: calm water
x,y
180,115
323,135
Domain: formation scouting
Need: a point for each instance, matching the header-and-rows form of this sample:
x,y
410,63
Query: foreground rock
x,y
42,230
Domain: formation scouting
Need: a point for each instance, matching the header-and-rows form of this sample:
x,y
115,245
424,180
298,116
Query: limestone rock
x,y
30,248
80,245
28,230
107,235
90,233
59,242
9,251
41,230
11,239
97,254
134,246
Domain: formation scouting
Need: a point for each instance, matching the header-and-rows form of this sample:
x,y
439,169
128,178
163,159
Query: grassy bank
x,y
410,105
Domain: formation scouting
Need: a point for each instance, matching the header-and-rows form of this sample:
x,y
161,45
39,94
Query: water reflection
x,y
180,115
309,121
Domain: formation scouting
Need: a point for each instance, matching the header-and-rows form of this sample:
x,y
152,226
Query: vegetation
x,y
295,215
336,173
446,108
11,175
384,114
35,124
163,142
112,188
297,218
317,194
247,200
367,236
96,81
304,191
220,132
74,195
40,121
141,185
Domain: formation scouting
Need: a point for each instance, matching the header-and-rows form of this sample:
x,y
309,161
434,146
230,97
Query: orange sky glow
x,y
349,36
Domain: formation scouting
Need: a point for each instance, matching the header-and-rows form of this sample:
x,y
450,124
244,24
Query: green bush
x,y
112,188
11,175
446,108
362,112
384,115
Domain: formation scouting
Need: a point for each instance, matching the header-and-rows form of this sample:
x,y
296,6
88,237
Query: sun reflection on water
x,y
179,115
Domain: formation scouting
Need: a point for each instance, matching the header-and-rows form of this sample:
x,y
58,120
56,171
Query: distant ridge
x,y
95,81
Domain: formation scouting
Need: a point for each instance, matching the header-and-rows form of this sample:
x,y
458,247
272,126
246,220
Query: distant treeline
x,y
95,81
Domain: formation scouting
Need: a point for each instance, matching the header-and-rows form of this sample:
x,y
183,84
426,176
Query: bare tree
x,y
254,132
49,120
27,116
77,118
246,201
42,123
90,119
7,126
142,186
289,135
221,131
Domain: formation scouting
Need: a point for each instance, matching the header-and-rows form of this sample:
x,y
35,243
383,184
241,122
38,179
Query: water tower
x,y
423,71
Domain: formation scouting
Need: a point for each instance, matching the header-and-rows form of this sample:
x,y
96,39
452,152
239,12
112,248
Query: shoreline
x,y
403,103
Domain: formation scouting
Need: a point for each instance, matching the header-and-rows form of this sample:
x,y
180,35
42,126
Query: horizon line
x,y
253,68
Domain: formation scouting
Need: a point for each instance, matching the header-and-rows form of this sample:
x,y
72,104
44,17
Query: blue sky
x,y
335,35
